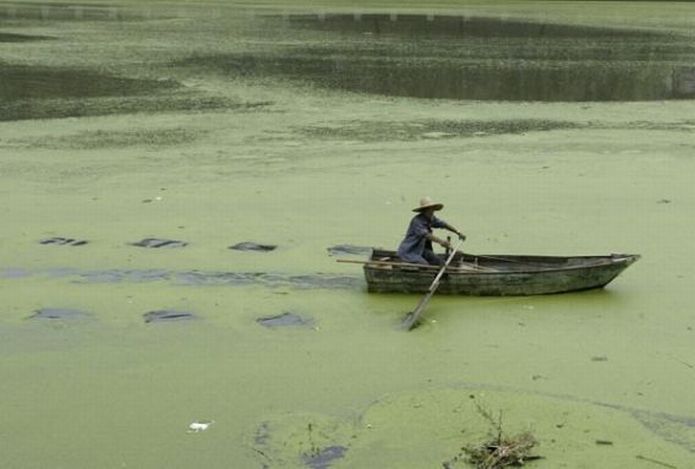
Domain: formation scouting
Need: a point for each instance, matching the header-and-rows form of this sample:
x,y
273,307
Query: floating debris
x,y
159,243
502,450
166,315
251,246
349,249
199,426
60,241
604,442
601,358
436,134
285,320
58,313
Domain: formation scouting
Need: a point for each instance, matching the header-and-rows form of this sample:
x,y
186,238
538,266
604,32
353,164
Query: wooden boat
x,y
498,275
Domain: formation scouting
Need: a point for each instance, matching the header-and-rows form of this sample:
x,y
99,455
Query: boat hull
x,y
502,275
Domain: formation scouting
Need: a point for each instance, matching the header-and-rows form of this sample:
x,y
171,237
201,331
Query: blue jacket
x,y
414,243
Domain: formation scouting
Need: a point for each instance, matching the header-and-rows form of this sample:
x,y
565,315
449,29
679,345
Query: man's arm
x,y
439,223
448,227
441,242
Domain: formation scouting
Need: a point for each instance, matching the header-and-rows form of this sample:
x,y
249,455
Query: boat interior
x,y
464,262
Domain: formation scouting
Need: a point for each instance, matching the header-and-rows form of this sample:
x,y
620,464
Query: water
x,y
475,58
140,124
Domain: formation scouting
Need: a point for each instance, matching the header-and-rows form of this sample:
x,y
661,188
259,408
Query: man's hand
x,y
461,236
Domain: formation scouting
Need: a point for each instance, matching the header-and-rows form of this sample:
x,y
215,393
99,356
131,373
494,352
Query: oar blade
x,y
411,319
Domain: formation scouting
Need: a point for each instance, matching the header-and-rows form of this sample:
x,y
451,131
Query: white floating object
x,y
200,426
437,134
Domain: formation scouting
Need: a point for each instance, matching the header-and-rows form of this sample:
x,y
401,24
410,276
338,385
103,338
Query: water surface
x,y
555,132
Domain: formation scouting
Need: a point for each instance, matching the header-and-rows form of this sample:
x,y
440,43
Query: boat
x,y
495,275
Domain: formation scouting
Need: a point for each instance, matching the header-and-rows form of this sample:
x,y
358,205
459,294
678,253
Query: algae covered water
x,y
178,180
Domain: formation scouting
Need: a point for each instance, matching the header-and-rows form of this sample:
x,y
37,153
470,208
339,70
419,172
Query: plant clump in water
x,y
501,450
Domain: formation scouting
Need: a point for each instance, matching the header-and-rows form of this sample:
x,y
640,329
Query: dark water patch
x,y
166,315
37,92
272,280
437,26
59,272
14,272
157,243
323,458
91,140
473,58
86,107
251,246
199,278
349,249
58,313
486,80
367,131
676,429
60,11
124,276
686,125
262,435
59,241
21,82
311,440
13,37
684,81
285,320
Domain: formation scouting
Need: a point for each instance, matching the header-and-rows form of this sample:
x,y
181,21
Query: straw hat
x,y
426,203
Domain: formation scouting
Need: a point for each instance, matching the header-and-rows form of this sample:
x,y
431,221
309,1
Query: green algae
x,y
112,391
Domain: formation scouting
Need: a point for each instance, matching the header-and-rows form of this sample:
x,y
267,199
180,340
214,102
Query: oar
x,y
413,316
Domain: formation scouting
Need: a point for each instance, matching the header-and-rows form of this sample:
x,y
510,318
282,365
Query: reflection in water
x,y
684,81
56,11
438,26
459,58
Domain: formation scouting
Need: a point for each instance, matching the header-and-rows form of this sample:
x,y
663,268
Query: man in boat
x,y
416,247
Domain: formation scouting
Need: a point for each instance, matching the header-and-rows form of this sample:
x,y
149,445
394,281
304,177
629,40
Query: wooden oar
x,y
412,317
